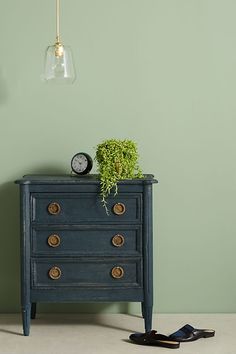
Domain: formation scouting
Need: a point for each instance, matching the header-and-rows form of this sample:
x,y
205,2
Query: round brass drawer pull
x,y
54,273
117,272
54,240
54,208
118,240
119,209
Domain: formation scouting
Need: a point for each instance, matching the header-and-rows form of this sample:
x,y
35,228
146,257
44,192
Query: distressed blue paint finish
x,y
86,272
75,206
86,253
79,240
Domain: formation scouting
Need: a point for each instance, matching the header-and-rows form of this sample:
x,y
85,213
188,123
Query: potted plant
x,y
117,160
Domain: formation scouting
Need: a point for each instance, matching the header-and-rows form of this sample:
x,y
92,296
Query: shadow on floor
x,y
54,320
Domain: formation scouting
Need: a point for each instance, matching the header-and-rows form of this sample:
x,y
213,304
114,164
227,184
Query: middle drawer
x,y
87,240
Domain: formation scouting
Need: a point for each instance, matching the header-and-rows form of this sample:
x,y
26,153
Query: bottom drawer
x,y
86,273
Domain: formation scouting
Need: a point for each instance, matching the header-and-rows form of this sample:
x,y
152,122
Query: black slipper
x,y
188,334
155,339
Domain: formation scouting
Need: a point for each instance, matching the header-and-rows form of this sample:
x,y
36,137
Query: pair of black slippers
x,y
185,334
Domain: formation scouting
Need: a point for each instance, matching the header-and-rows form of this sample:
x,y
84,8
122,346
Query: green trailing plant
x,y
117,160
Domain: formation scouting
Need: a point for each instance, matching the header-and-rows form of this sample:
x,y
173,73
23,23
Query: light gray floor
x,y
108,334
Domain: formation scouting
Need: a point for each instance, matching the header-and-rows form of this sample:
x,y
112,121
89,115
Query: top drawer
x,y
74,208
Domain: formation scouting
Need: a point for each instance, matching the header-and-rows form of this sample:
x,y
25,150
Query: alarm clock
x,y
81,163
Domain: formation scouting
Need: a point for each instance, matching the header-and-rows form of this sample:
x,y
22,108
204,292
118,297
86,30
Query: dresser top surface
x,y
74,179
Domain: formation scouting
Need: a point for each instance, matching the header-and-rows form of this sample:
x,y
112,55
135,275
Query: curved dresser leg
x,y
26,310
147,315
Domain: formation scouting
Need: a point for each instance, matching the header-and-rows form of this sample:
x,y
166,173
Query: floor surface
x,y
109,333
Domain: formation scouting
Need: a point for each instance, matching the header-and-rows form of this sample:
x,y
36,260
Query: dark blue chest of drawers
x,y
72,251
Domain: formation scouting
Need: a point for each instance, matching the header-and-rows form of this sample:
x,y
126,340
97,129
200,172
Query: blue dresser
x,y
72,251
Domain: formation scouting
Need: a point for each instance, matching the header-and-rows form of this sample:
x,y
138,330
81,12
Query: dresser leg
x,y
33,310
26,310
147,315
142,309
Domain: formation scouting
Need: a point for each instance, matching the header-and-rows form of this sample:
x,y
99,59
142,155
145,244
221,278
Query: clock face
x,y
81,163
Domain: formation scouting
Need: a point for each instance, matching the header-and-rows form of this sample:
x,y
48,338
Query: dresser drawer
x,y
86,272
76,208
83,240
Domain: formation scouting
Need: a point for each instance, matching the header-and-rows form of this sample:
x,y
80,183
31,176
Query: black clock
x,y
81,163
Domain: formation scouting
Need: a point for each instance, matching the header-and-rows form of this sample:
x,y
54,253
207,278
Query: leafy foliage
x,y
117,160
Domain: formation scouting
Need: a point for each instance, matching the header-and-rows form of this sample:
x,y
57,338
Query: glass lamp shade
x,y
59,67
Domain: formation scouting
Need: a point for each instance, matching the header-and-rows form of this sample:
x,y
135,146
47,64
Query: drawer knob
x,y
54,273
117,272
119,209
54,208
118,240
54,240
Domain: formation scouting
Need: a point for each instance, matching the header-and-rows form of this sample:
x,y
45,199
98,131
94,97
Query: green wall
x,y
160,72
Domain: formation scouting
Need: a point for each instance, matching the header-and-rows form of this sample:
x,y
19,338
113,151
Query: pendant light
x,y
59,66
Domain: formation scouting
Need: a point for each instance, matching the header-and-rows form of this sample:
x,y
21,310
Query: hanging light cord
x,y
58,20
59,49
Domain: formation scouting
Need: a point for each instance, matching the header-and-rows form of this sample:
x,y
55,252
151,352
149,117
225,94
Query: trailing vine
x,y
117,160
